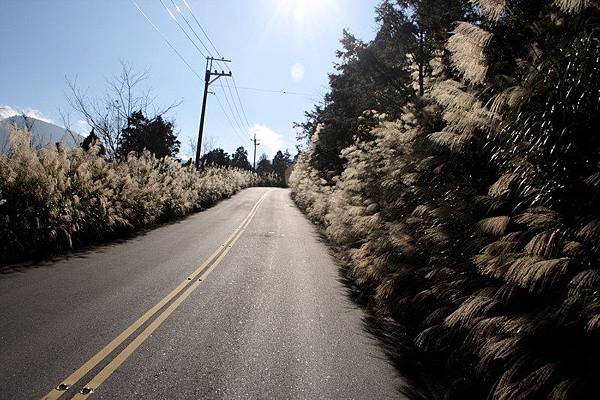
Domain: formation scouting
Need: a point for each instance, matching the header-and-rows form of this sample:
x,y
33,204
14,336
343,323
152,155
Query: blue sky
x,y
274,44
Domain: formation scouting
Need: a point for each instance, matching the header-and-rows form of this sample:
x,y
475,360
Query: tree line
x,y
276,169
125,121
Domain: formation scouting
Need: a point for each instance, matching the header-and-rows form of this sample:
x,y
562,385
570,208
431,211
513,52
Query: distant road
x,y
239,301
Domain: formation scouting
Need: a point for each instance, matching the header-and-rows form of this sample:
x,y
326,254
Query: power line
x,y
237,116
236,107
191,28
232,113
237,92
165,39
201,28
229,119
282,91
233,99
181,28
223,65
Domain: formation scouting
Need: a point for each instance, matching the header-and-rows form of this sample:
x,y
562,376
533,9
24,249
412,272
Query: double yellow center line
x,y
183,290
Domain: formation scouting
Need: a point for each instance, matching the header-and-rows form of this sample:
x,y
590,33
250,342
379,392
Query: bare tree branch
x,y
109,114
65,118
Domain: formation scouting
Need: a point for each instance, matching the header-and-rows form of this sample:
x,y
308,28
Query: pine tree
x,y
216,157
264,166
155,136
281,162
93,141
239,159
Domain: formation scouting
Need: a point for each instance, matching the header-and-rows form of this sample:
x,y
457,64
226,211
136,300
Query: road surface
x,y
239,301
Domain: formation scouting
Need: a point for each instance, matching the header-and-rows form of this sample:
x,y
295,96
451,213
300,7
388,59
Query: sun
x,y
302,10
302,19
298,13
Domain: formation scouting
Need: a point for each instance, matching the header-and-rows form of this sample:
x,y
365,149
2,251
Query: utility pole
x,y
256,143
207,81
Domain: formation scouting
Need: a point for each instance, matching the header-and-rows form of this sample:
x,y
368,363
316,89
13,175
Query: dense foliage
x,y
153,135
271,173
56,199
468,211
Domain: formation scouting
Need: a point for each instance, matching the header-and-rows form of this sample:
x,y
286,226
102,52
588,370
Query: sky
x,y
278,45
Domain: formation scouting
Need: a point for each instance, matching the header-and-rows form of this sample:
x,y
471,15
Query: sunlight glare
x,y
305,9
297,72
299,13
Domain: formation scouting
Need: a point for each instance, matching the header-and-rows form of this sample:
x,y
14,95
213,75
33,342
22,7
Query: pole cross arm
x,y
217,75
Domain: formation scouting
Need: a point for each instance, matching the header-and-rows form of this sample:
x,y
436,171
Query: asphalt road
x,y
269,318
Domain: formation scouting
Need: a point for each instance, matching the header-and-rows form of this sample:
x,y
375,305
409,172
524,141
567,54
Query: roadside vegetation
x,y
456,168
124,176
56,199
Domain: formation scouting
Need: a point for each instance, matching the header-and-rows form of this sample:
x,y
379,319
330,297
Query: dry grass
x,y
467,45
56,199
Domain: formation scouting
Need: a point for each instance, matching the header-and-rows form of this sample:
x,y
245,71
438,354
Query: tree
x,y
264,166
239,159
377,75
217,157
109,114
92,141
154,135
281,162
422,27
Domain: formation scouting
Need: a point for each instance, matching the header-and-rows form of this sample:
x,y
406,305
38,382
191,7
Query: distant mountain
x,y
43,133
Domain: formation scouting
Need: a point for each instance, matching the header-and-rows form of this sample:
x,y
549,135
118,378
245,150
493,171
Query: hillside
x,y
43,133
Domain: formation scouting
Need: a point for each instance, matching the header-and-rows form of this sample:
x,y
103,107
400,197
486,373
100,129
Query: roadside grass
x,y
474,237
56,199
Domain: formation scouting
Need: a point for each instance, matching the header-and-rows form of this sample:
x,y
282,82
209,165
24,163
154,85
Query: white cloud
x,y
37,114
297,72
8,111
268,138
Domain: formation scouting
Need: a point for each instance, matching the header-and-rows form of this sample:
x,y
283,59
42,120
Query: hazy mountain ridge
x,y
43,132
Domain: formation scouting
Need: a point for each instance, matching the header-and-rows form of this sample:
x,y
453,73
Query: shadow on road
x,y
47,259
414,367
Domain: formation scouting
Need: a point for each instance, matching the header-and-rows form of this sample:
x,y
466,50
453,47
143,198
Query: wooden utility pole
x,y
208,79
256,143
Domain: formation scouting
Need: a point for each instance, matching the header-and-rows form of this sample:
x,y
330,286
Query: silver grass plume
x,y
467,45
463,113
492,9
574,6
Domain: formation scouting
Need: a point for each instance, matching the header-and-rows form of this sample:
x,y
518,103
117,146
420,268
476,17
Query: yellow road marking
x,y
211,263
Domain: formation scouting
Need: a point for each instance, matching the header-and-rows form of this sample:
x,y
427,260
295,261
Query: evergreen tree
x,y
155,135
92,141
264,166
376,76
281,162
216,157
239,159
